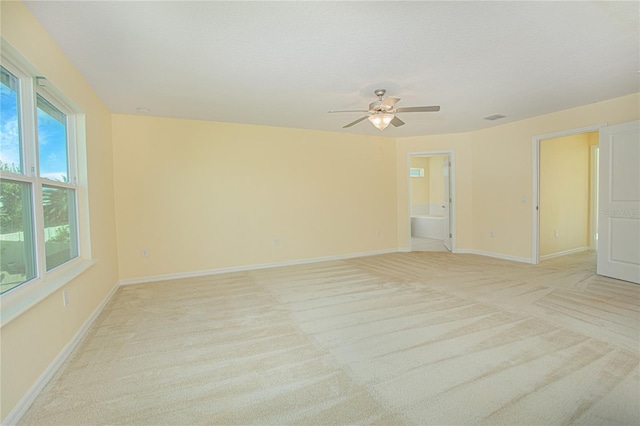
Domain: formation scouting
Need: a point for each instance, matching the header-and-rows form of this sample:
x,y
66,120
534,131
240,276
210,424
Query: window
x,y
17,243
41,195
416,172
10,143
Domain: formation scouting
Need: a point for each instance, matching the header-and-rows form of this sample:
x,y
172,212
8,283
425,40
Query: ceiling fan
x,y
382,112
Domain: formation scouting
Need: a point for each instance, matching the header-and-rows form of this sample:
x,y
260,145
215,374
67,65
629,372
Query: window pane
x,y
17,260
60,225
52,141
10,146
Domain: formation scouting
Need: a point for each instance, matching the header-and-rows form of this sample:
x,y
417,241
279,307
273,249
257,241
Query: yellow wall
x,y
203,195
32,341
436,180
502,171
494,171
564,193
420,185
428,189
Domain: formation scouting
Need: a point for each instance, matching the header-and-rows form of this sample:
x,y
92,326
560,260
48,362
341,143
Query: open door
x,y
619,202
446,167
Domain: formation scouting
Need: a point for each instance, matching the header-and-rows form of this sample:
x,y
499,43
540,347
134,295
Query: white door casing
x,y
593,196
446,167
619,202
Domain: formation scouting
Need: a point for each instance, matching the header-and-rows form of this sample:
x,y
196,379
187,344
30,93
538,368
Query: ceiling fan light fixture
x,y
381,121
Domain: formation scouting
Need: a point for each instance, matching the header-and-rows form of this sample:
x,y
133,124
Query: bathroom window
x,y
416,172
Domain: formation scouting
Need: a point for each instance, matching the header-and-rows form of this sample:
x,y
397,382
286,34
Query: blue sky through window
x,y
52,132
9,122
52,141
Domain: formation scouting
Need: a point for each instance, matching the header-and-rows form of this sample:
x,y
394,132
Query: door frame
x,y
535,194
593,183
452,191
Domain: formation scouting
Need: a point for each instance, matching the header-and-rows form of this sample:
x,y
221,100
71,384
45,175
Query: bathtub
x,y
427,226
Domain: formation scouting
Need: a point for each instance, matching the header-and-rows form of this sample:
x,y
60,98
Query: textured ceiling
x,y
288,63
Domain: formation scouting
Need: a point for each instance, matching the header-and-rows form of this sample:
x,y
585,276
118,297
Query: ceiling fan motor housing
x,y
375,106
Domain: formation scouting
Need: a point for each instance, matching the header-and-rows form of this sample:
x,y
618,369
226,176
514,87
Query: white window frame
x,y
21,298
72,175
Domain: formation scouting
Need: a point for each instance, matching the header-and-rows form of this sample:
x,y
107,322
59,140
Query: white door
x,y
446,167
619,202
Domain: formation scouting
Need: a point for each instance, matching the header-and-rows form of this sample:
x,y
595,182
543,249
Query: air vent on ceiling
x,y
494,117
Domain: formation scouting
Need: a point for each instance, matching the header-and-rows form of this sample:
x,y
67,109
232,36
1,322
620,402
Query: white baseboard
x,y
564,253
131,281
495,255
202,273
31,395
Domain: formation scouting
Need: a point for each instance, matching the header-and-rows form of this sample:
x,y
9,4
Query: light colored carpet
x,y
427,244
406,338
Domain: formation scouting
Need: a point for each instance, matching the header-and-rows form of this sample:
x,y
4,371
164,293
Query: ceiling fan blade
x,y
397,122
388,103
351,110
418,109
355,122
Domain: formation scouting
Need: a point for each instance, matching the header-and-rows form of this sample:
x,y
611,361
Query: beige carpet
x,y
407,338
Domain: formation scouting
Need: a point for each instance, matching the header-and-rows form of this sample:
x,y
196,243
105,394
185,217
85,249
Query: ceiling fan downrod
x,y
380,93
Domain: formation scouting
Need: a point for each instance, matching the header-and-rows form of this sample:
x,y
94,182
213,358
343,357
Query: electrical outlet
x,y
491,234
144,252
557,234
378,233
65,297
276,242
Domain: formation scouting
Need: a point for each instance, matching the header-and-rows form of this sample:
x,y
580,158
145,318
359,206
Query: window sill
x,y
16,302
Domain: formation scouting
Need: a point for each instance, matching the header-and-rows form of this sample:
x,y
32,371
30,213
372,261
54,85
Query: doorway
x,y
431,201
565,191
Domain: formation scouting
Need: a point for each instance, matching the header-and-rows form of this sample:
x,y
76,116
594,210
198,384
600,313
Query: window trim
x,y
21,298
40,181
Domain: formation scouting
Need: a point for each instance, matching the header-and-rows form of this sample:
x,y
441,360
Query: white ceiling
x,y
288,63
